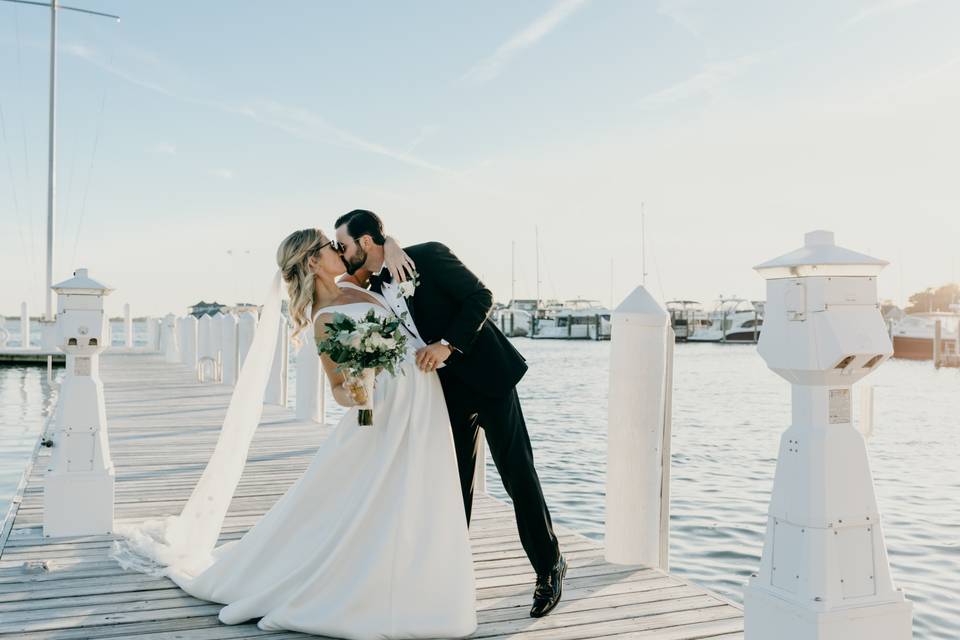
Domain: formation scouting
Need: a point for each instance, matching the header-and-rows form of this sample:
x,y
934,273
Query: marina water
x,y
729,411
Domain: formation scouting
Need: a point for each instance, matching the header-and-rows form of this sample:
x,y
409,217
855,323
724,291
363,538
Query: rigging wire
x,y
23,132
13,185
93,156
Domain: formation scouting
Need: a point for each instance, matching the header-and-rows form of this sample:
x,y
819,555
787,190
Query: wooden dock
x,y
163,425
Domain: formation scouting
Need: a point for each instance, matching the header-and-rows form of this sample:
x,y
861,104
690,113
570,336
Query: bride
x,y
371,541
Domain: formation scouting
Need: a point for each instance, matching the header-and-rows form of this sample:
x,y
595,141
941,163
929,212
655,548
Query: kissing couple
x,y
372,540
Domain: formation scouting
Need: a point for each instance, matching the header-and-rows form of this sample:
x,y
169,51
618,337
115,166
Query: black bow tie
x,y
383,277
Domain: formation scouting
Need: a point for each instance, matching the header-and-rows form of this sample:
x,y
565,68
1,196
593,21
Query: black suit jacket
x,y
451,303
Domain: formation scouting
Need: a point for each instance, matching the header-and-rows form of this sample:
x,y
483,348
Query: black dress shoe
x,y
549,588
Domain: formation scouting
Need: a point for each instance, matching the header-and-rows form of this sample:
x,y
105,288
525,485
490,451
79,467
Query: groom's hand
x,y
433,355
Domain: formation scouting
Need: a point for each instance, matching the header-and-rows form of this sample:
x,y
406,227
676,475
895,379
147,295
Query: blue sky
x,y
189,130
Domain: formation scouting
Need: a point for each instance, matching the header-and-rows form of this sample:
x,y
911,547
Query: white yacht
x,y
732,320
686,316
913,334
516,319
574,320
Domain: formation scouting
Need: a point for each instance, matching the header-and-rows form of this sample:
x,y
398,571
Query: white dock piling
x,y
153,333
310,380
208,349
246,327
127,326
228,344
637,499
169,345
79,485
824,573
189,328
24,326
276,392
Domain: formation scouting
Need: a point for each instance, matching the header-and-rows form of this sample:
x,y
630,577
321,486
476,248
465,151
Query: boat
x,y
913,334
574,320
685,317
732,320
516,318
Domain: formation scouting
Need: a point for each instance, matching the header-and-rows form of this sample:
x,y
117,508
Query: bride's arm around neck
x,y
360,277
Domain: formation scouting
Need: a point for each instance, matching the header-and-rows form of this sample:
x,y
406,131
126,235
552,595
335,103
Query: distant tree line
x,y
938,299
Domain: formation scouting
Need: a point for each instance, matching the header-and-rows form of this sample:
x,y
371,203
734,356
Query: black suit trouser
x,y
506,434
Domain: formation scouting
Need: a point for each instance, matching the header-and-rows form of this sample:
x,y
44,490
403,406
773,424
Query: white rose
x,y
375,340
407,288
355,340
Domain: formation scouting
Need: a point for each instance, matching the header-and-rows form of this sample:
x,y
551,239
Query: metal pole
x,y
937,335
51,167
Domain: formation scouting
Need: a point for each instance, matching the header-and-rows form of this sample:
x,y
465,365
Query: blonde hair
x,y
292,256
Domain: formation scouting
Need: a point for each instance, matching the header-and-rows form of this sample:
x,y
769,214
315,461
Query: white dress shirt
x,y
391,293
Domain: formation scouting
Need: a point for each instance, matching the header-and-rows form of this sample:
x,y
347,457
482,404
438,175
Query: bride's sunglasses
x,y
336,246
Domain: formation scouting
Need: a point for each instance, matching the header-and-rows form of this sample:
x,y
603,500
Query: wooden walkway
x,y
162,428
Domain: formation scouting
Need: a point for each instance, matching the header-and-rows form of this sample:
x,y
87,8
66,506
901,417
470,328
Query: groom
x,y
479,370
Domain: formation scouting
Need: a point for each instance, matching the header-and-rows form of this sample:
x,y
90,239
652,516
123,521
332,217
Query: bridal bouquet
x,y
360,348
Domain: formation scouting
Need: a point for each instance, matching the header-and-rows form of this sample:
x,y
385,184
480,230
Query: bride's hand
x,y
397,262
355,391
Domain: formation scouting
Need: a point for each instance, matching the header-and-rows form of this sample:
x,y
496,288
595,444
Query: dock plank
x,y
163,426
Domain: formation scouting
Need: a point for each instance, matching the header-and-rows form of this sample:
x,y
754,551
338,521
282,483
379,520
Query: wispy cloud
x,y
163,148
225,174
880,8
297,121
686,13
711,77
312,126
530,35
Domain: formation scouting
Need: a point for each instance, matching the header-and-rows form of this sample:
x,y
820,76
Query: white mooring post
x,y
246,327
824,573
169,344
228,344
189,329
310,379
153,333
276,392
127,326
638,443
208,349
78,494
24,326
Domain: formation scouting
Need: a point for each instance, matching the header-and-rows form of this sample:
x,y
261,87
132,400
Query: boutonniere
x,y
407,288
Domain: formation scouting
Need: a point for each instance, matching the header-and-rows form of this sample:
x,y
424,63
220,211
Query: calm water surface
x,y
729,412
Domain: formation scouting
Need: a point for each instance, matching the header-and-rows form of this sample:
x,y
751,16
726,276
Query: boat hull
x,y
911,348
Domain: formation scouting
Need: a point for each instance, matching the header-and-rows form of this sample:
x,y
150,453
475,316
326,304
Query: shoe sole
x,y
563,574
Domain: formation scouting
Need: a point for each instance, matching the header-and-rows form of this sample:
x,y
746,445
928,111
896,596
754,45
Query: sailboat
x,y
48,346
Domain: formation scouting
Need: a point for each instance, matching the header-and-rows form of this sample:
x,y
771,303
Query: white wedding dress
x,y
371,542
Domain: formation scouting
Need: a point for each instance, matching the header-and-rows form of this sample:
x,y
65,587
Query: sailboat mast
x,y
643,246
513,271
51,166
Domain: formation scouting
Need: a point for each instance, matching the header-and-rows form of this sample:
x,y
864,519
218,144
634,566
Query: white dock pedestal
x,y
78,495
824,573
